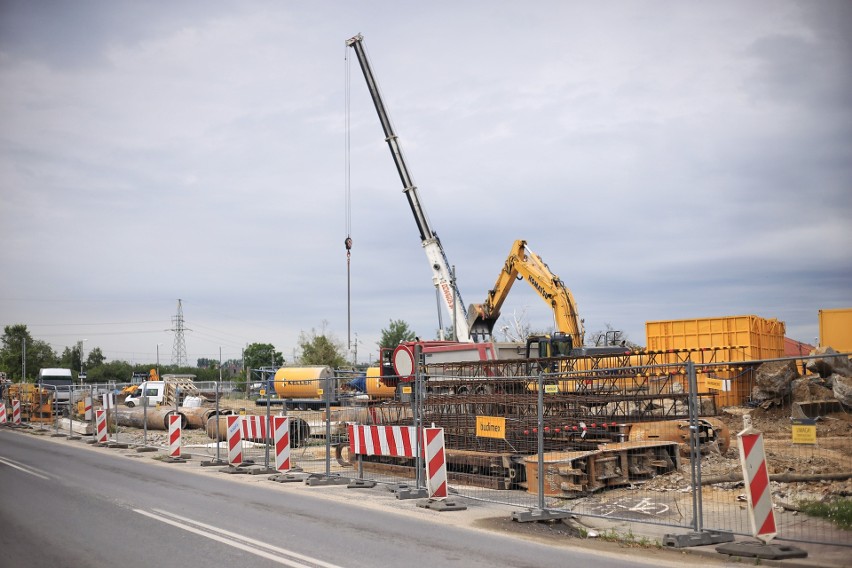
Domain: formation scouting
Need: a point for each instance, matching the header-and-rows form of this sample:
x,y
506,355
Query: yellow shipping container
x,y
739,338
734,338
835,329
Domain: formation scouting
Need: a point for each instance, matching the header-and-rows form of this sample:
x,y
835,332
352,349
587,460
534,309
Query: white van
x,y
154,391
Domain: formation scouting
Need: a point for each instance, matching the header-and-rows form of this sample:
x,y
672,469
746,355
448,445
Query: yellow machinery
x,y
524,264
36,402
130,390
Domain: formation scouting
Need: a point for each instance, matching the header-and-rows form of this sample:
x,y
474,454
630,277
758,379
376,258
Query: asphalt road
x,y
63,504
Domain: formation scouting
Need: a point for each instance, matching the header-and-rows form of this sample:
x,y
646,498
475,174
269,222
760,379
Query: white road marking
x,y
247,544
24,468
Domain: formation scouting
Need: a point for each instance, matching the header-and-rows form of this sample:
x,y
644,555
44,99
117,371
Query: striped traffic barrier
x,y
174,435
436,463
254,428
395,441
87,408
16,412
281,430
756,476
235,440
100,427
2,412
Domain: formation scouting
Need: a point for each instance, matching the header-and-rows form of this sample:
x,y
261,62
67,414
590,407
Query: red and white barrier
x,y
396,441
87,407
174,435
235,440
281,429
2,412
436,462
756,476
401,441
100,427
254,428
16,412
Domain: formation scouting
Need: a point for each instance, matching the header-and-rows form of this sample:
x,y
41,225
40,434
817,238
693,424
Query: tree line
x,y
21,357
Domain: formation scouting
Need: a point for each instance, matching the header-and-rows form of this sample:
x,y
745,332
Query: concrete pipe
x,y
300,430
158,418
197,417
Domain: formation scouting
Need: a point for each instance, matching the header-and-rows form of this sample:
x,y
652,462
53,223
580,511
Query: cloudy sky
x,y
667,160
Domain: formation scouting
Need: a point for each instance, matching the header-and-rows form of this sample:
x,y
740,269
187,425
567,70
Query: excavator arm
x,y
522,263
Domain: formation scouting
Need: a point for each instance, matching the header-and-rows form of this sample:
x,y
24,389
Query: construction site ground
x,y
829,455
607,536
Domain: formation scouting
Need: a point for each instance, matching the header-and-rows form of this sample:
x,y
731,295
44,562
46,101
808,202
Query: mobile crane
x,y
429,239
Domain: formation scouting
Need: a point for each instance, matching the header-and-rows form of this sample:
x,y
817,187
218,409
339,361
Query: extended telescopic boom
x,y
428,238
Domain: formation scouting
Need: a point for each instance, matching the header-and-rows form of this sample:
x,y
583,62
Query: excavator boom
x,y
523,263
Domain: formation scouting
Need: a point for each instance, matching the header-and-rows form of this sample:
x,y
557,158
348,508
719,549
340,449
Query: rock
x,y
773,380
807,389
842,388
829,362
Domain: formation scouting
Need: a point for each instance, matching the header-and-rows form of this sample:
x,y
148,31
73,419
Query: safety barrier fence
x,y
652,444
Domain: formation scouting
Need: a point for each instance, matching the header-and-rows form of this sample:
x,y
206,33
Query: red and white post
x,y
87,407
281,429
2,413
101,426
16,412
174,435
235,440
436,462
756,476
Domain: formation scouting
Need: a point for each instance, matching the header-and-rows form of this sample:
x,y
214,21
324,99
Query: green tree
x,y
39,354
322,349
95,359
396,332
118,371
259,355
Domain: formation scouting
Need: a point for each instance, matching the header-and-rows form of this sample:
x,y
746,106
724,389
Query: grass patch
x,y
628,539
838,512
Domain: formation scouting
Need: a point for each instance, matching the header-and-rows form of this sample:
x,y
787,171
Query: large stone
x,y
828,362
807,389
842,387
773,381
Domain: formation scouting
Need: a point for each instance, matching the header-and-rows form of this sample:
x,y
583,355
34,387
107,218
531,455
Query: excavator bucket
x,y
481,322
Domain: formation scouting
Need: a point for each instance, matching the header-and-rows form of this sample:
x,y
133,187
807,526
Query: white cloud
x,y
665,160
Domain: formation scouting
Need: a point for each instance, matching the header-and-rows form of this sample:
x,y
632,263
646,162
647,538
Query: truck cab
x,y
57,381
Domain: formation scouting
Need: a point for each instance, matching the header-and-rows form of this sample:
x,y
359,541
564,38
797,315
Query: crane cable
x,y
348,196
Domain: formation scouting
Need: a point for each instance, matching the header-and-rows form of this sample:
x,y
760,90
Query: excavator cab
x,y
547,346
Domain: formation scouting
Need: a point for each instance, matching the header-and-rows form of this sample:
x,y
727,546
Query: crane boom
x,y
441,276
524,263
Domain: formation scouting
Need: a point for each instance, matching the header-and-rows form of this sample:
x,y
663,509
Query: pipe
x,y
158,418
300,430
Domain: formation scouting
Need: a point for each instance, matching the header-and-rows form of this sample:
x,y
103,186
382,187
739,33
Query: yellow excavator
x,y
130,390
523,264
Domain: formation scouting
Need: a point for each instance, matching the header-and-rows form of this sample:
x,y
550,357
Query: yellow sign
x,y
319,392
551,389
491,427
804,431
406,390
723,385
